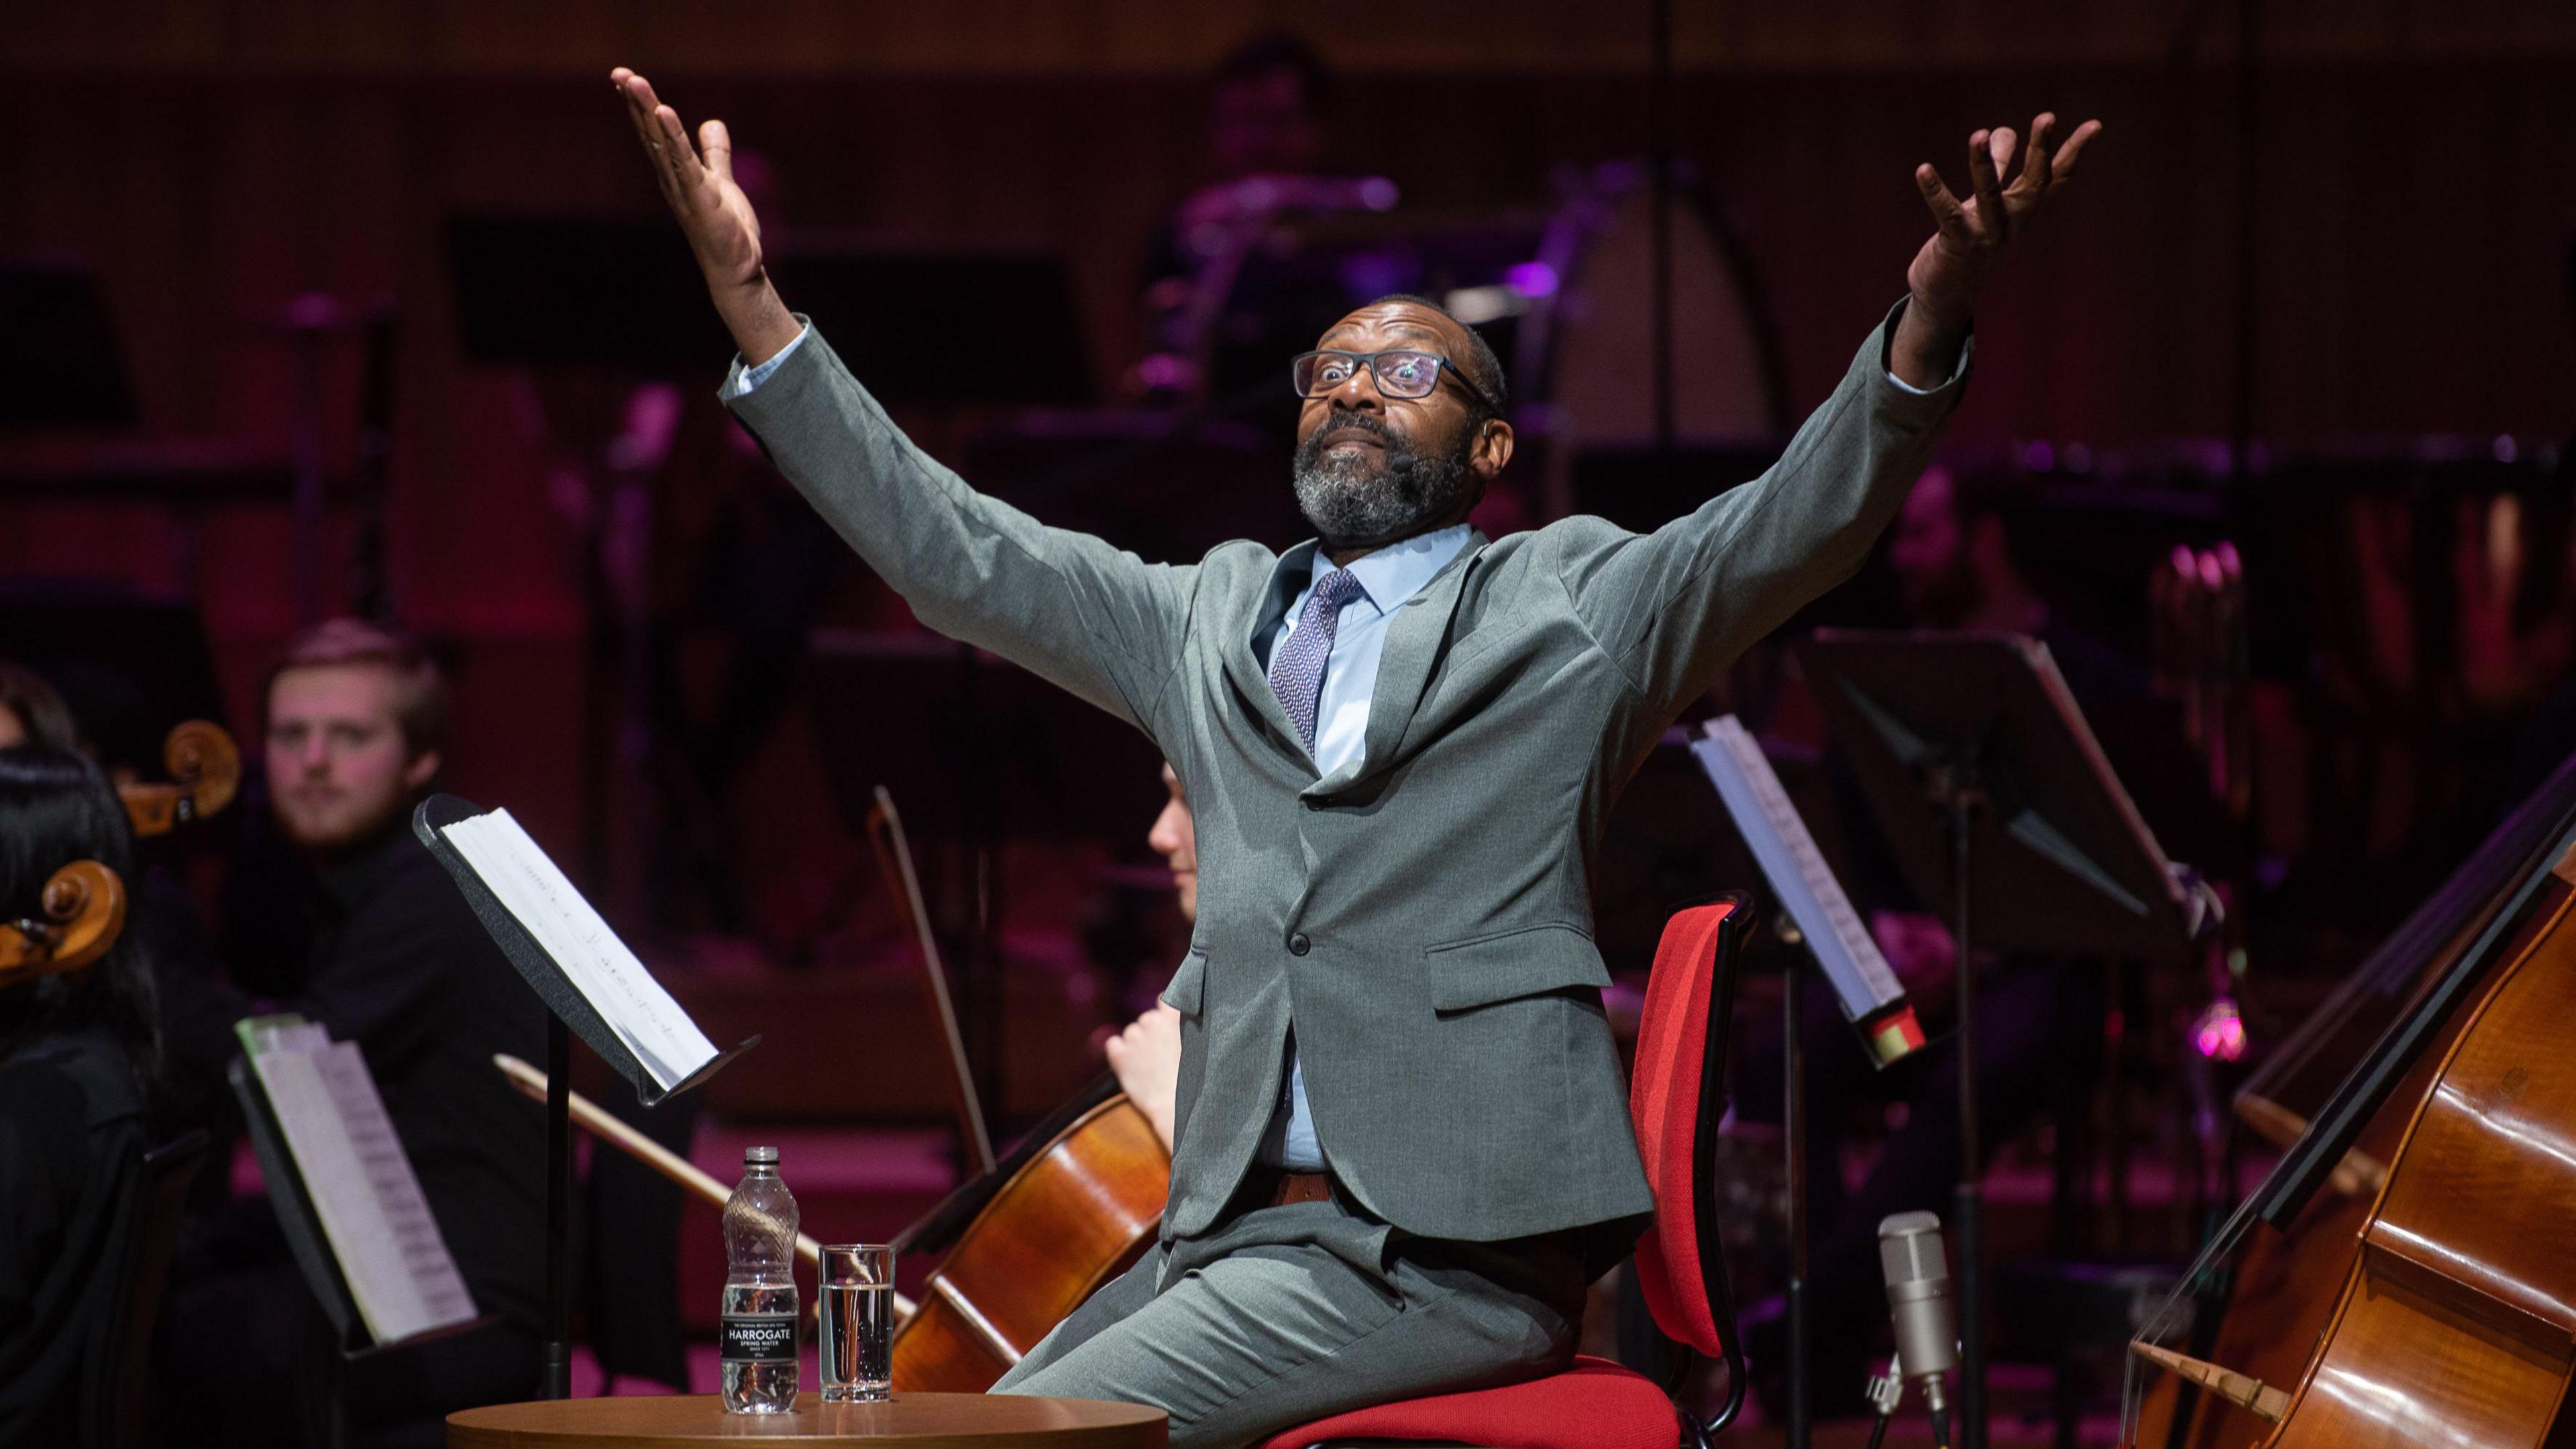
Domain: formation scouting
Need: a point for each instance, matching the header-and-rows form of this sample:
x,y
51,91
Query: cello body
x,y
1076,1214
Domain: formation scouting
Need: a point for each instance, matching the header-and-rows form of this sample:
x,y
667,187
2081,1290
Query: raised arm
x,y
1094,619
1677,605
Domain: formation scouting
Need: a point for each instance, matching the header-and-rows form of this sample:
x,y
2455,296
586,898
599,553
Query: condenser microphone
x,y
1918,1298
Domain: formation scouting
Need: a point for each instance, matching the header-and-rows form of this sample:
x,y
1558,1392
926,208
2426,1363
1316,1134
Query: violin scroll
x,y
205,772
84,910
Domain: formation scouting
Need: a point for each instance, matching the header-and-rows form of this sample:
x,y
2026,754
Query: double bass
x,y
2403,1276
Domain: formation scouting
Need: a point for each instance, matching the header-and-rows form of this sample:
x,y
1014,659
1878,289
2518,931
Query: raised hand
x,y
714,215
1972,232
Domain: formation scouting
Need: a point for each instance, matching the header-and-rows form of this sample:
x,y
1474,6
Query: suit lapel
x,y
1413,640
1243,668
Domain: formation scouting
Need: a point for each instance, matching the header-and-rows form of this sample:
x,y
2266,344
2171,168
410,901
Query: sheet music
x,y
362,1187
532,888
1799,877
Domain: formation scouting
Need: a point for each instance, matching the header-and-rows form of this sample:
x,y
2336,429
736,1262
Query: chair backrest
x,y
1676,1099
117,1379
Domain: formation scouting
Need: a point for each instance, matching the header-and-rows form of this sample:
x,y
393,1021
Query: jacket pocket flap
x,y
1189,983
1525,962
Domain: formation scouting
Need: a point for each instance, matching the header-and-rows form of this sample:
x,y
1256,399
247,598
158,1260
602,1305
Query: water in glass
x,y
855,1325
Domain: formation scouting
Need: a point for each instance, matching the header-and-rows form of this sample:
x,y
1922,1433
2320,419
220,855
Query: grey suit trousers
x,y
1284,1315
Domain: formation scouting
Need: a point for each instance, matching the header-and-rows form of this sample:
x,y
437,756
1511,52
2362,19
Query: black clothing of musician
x,y
401,967
78,1062
397,964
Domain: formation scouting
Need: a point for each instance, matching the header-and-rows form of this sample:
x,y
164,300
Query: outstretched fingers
x,y
1945,208
2038,157
2064,167
717,145
1987,186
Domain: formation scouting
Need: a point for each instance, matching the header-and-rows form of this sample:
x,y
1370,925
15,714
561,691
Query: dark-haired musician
x,y
79,1060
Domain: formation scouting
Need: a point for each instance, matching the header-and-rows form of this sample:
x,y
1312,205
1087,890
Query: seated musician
x,y
1146,1055
1401,1134
79,1068
355,721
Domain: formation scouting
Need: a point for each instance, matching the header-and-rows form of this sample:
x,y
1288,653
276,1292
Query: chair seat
x,y
1595,1404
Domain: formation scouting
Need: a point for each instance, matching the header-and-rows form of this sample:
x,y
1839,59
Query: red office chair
x,y
1676,1099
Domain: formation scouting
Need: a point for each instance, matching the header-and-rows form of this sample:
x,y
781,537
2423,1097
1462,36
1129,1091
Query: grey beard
x,y
1351,504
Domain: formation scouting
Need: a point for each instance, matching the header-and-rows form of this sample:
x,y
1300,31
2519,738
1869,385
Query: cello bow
x,y
894,859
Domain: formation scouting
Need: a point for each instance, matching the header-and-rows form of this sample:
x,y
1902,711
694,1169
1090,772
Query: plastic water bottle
x,y
756,1338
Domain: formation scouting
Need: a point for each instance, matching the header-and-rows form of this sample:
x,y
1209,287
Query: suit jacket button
x,y
1316,802
1298,945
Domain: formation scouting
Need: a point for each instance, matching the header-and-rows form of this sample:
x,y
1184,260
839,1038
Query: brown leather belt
x,y
1277,1187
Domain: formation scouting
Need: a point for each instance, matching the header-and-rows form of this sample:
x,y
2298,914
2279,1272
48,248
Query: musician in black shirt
x,y
392,959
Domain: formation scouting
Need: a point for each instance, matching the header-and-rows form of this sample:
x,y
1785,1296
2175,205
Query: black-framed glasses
x,y
1402,373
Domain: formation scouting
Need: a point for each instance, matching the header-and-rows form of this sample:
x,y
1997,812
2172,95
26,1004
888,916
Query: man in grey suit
x,y
1402,1142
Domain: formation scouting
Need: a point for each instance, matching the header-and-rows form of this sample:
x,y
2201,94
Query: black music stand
x,y
567,1011
1994,797
321,1396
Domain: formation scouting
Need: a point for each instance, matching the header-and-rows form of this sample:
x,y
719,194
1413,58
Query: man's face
x,y
338,768
1175,836
1262,124
1928,552
1372,469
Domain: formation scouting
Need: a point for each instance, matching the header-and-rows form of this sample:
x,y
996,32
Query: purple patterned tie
x,y
1297,670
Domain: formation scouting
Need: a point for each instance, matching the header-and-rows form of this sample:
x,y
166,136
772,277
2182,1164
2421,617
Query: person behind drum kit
x,y
355,722
79,1092
1399,741
1265,120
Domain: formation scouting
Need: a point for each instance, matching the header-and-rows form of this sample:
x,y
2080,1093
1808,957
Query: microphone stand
x,y
1793,1139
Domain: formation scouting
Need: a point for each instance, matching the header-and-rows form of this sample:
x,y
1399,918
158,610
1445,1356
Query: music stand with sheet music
x,y
301,1224
1994,798
1820,918
569,1010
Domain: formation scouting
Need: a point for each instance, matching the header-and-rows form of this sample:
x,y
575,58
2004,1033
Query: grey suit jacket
x,y
1422,920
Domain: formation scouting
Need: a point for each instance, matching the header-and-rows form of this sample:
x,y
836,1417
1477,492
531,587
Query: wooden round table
x,y
915,1421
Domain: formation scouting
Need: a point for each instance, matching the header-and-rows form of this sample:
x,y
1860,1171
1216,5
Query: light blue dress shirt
x,y
1387,578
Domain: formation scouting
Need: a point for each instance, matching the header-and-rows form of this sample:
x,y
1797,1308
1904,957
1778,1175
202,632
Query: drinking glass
x,y
854,1321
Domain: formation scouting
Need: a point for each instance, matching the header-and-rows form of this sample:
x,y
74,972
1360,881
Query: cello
x,y
1036,1231
205,771
2427,1301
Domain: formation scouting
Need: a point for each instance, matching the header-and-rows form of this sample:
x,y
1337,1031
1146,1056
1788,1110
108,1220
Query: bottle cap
x,y
760,1157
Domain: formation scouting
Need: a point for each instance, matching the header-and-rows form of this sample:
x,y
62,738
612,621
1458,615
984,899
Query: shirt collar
x,y
1398,571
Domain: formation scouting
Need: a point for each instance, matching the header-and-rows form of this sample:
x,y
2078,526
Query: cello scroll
x,y
84,909
205,771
